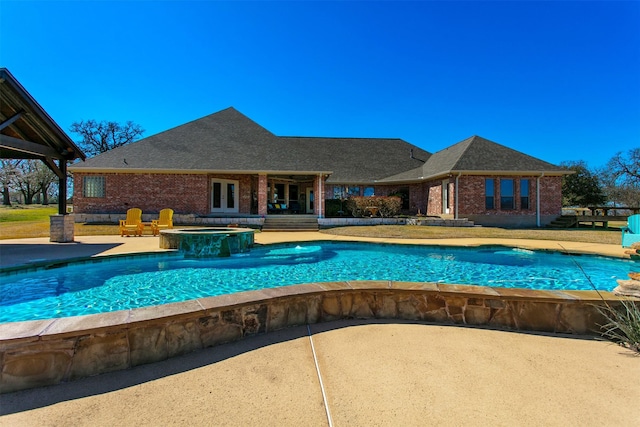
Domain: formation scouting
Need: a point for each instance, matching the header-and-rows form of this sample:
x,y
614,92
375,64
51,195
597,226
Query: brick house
x,y
226,165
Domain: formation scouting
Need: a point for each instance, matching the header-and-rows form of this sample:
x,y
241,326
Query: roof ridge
x,y
343,137
470,139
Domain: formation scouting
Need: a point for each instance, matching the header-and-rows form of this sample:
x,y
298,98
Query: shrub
x,y
387,206
333,207
623,324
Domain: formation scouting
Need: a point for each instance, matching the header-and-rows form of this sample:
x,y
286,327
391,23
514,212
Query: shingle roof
x,y
228,141
476,154
354,160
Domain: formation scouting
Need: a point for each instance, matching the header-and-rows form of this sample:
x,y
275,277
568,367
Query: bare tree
x,y
8,174
98,137
45,178
26,181
621,178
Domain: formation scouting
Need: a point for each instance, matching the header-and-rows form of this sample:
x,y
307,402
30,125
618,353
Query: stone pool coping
x,y
46,352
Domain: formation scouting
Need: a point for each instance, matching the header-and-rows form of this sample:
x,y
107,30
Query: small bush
x,y
387,206
333,207
623,324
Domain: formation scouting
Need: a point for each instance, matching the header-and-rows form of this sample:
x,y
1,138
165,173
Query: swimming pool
x,y
103,285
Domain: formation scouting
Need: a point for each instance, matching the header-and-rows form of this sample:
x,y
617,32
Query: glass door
x,y
310,205
445,196
224,196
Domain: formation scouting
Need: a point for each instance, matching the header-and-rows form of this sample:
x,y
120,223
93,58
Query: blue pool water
x,y
117,284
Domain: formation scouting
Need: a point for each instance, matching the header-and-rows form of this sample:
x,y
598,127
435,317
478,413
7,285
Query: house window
x,y
93,186
506,194
524,194
339,192
369,192
353,191
489,194
293,192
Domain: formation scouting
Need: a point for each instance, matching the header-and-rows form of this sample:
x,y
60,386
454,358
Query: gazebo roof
x,y
26,130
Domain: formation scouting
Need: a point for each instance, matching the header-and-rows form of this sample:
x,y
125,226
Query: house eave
x,y
495,173
506,172
472,173
83,169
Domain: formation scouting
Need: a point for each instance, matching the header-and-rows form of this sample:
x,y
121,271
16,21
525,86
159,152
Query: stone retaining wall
x,y
257,222
178,219
46,352
439,222
340,222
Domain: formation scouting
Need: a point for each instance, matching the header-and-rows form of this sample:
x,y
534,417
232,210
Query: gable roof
x,y
230,142
223,141
477,155
27,131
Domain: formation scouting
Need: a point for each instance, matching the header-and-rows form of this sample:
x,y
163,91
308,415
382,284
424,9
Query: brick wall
x,y
433,190
550,195
471,203
191,194
151,192
471,195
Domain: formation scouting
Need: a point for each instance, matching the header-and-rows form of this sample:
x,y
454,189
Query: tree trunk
x,y
45,196
28,196
6,197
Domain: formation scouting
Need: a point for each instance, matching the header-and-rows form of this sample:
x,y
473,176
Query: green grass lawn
x,y
26,221
27,213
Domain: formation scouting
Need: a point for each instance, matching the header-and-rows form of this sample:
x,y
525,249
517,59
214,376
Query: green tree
x,y
581,188
98,137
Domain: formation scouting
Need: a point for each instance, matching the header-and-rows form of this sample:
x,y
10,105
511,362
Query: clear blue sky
x,y
559,80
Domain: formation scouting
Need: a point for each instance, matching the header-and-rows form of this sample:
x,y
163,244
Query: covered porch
x,y
291,194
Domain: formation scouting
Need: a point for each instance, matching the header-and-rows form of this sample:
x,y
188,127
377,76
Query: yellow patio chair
x,y
133,223
165,220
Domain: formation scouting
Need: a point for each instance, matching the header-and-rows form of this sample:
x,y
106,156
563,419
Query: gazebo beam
x,y
15,144
11,119
54,168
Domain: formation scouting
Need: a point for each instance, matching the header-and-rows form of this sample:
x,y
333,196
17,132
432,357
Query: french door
x,y
224,196
310,202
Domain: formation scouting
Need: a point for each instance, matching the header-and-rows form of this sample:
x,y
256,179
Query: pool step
x,y
290,223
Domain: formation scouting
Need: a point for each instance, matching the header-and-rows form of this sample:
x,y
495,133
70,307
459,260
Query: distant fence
x,y
617,211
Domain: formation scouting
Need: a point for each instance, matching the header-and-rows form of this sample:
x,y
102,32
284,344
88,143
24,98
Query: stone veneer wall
x,y
178,219
61,228
46,352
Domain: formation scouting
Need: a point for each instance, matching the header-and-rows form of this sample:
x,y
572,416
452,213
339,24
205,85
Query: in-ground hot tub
x,y
208,242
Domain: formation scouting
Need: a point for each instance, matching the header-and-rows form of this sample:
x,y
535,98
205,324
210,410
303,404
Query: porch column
x,y
262,194
319,194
